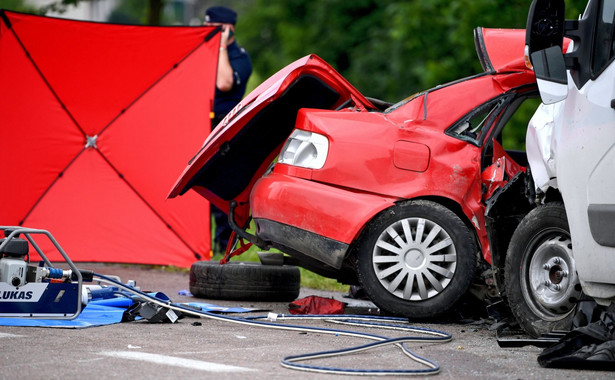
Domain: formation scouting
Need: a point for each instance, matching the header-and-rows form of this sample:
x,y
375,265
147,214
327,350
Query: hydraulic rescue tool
x,y
37,291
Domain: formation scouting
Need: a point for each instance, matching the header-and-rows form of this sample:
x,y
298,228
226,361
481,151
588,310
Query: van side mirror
x,y
545,25
550,70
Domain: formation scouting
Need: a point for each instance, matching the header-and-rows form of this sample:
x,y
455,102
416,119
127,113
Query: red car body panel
x,y
337,214
504,53
363,162
261,97
375,158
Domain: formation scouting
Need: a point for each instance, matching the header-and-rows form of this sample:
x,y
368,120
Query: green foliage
x,y
130,12
145,12
17,5
58,6
387,49
311,280
141,12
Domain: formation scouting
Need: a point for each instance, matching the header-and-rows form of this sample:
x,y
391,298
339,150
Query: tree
x,y
17,5
152,8
387,49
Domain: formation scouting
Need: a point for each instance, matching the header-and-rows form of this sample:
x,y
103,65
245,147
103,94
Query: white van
x,y
570,237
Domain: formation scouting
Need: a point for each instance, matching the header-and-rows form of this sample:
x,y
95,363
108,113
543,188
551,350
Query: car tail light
x,y
305,149
526,57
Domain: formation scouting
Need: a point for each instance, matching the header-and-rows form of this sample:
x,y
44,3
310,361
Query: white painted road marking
x,y
7,335
174,361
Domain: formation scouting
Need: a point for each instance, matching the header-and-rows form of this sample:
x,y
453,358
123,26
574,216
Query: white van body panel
x,y
571,146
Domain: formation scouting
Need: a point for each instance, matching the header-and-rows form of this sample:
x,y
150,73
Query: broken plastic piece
x,y
152,312
316,305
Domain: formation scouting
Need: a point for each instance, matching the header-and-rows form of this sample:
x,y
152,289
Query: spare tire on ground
x,y
244,281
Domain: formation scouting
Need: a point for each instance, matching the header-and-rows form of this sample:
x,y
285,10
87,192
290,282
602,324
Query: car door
x,y
586,160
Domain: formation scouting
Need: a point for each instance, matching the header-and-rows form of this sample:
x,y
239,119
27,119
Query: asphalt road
x,y
205,348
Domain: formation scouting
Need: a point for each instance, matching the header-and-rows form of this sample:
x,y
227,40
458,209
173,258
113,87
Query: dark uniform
x,y
223,104
242,69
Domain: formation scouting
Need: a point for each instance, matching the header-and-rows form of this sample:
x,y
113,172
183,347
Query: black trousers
x,y
222,230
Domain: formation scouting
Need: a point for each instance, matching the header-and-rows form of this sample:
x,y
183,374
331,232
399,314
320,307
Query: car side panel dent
x,y
463,193
365,162
511,80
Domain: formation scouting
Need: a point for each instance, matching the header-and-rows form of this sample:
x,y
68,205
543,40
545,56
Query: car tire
x,y
540,277
244,281
441,263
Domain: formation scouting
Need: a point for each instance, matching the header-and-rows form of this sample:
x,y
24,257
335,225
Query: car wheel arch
x,y
550,195
543,237
458,210
350,259
443,201
435,217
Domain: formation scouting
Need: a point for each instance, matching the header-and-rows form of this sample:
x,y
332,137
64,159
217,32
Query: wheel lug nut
x,y
557,260
547,283
546,267
557,287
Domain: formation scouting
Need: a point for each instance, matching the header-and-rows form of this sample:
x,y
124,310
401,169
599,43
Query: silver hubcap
x,y
414,259
550,287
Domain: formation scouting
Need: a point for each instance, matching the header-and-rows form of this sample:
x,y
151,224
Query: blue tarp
x,y
96,313
107,312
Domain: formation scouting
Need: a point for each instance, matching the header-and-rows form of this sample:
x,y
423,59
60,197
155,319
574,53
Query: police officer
x,y
234,70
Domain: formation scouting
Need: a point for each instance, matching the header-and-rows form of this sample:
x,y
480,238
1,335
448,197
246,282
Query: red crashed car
x,y
407,200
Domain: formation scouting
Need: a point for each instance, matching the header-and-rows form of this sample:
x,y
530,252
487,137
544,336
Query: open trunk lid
x,y
245,143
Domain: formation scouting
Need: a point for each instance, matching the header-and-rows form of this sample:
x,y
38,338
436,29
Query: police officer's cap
x,y
222,15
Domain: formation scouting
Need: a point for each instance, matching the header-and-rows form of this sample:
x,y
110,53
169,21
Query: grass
x,y
313,281
309,279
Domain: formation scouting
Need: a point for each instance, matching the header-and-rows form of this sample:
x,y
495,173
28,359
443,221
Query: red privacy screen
x,y
97,121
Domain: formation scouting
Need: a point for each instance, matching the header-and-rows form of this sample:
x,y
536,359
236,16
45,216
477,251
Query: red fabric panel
x,y
146,92
37,138
99,69
96,215
159,145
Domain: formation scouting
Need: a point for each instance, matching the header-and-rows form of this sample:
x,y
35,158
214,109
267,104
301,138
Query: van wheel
x,y
540,277
416,259
244,281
